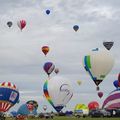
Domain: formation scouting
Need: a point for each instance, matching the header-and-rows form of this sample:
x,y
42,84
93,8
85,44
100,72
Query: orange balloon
x,y
45,49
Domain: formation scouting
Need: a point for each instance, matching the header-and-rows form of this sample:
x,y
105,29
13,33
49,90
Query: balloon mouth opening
x,y
58,108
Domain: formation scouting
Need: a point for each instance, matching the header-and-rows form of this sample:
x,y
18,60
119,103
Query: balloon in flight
x,y
47,12
98,64
21,24
108,45
48,67
56,70
9,24
75,27
100,94
45,50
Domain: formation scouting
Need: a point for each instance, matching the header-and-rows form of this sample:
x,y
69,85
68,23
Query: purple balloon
x,y
49,67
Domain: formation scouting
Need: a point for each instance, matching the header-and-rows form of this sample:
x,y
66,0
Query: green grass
x,y
69,118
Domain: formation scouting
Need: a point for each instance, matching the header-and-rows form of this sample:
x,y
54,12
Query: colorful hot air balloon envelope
x,y
26,109
113,100
79,82
119,77
76,27
98,64
21,24
9,96
30,107
93,105
100,94
33,102
81,107
45,50
56,70
58,92
47,12
48,67
108,45
9,24
116,83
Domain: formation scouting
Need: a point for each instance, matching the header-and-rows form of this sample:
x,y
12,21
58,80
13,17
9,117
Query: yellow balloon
x,y
79,82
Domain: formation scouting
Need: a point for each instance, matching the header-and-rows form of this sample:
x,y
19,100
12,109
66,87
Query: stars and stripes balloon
x,y
9,96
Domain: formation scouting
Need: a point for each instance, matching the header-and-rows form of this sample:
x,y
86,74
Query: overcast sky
x,y
21,59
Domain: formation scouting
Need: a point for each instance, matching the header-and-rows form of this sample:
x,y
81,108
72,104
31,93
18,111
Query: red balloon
x,y
93,105
100,94
21,24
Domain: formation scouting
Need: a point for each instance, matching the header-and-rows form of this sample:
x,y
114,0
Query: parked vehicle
x,y
99,113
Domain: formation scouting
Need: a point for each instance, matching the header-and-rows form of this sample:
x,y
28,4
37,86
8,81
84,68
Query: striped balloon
x,y
21,24
8,85
113,100
49,67
9,96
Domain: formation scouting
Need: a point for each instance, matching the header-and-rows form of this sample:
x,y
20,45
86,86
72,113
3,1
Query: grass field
x,y
69,118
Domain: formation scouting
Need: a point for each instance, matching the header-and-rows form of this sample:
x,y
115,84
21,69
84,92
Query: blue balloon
x,y
116,83
23,110
48,12
76,27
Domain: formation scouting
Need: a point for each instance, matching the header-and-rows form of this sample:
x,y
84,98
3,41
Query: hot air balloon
x,y
79,82
44,107
56,70
33,102
58,92
113,100
76,27
45,49
100,94
47,12
93,105
81,108
98,64
27,109
108,45
49,67
9,96
9,24
21,24
116,83
119,77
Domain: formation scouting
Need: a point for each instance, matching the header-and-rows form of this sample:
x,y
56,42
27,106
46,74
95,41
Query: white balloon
x,y
99,63
60,91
